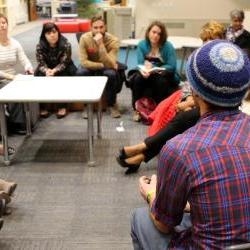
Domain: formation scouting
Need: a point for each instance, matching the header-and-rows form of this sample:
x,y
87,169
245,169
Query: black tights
x,y
180,123
156,86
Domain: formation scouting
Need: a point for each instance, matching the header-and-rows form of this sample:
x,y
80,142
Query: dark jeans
x,y
69,71
111,86
156,86
180,123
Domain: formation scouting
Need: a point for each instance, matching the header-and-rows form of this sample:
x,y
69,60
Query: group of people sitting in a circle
x,y
98,51
98,56
199,198
179,97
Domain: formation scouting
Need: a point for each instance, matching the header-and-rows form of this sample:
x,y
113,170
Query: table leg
x,y
91,161
183,59
28,119
99,120
127,53
4,135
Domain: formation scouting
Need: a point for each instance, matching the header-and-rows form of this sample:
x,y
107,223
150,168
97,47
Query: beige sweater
x,y
93,57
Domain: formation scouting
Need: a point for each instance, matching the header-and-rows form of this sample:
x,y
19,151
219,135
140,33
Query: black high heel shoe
x,y
122,154
132,168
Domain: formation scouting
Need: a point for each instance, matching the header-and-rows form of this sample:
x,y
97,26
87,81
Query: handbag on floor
x,y
145,106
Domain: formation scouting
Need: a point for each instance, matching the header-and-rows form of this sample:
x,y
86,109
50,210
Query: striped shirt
x,y
208,166
10,55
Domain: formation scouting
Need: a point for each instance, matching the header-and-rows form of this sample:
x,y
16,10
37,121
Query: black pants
x,y
16,120
69,71
180,123
111,88
156,86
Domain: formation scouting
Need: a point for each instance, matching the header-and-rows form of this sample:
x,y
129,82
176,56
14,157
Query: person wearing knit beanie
x,y
199,198
219,72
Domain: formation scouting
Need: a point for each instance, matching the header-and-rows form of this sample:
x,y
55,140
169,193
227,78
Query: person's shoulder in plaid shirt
x,y
208,166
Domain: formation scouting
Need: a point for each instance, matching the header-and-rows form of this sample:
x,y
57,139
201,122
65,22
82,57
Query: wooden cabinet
x,y
32,10
3,7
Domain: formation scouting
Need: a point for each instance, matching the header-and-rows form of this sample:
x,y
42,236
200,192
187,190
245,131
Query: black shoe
x,y
12,189
1,223
2,206
44,113
122,155
16,128
132,168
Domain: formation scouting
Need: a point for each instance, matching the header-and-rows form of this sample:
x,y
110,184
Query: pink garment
x,y
164,113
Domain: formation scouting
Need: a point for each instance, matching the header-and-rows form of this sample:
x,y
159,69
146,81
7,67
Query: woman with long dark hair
x,y
53,54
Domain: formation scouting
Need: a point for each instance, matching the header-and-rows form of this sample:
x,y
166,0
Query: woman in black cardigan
x,y
53,54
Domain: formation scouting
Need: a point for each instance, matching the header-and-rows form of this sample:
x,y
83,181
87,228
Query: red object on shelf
x,y
68,27
72,25
84,25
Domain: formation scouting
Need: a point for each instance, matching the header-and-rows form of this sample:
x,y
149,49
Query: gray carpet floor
x,y
61,203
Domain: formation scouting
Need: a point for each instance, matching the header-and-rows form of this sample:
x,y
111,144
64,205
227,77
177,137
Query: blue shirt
x,y
167,53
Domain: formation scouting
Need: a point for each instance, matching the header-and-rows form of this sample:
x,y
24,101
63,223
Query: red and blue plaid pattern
x,y
209,166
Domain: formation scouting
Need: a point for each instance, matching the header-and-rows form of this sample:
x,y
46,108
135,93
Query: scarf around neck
x,y
231,35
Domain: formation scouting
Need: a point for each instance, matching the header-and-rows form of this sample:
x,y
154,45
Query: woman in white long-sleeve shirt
x,y
11,54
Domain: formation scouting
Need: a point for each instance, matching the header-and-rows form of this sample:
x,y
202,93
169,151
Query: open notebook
x,y
154,69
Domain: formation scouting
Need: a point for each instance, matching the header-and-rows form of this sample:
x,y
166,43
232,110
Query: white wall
x,y
247,19
131,3
17,12
184,17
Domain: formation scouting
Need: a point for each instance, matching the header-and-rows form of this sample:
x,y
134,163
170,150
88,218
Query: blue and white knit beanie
x,y
219,72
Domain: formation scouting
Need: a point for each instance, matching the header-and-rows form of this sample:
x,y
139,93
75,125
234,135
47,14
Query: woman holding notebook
x,y
156,75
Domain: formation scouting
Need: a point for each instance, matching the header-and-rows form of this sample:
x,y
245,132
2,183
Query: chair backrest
x,y
239,247
78,36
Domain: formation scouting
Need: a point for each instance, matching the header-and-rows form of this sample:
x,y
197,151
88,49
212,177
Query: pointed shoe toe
x,y
132,168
